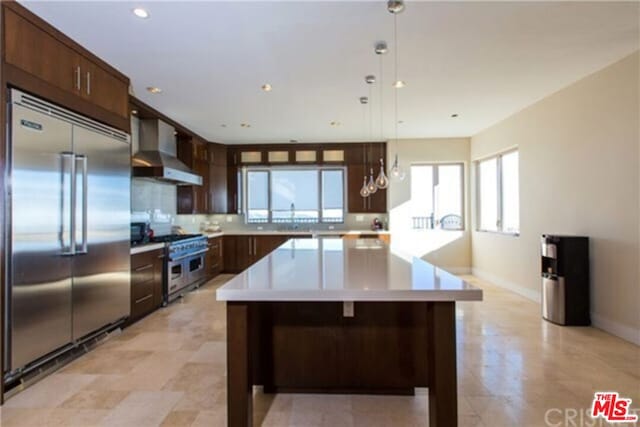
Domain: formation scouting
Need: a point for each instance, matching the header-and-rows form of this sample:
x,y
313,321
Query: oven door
x,y
177,276
195,268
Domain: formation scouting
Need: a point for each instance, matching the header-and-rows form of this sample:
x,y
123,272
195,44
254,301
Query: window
x,y
295,195
498,193
437,196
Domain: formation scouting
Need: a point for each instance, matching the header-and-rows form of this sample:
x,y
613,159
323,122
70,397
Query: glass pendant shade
x,y
372,187
382,181
364,191
396,170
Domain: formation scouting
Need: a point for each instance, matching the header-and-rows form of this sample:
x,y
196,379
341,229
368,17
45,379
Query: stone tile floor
x,y
168,369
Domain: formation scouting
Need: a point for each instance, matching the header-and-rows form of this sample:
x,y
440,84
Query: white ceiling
x,y
483,61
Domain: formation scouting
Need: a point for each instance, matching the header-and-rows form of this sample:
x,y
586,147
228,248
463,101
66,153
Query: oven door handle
x,y
190,255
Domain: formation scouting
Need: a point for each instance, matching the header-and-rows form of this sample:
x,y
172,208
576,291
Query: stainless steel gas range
x,y
185,263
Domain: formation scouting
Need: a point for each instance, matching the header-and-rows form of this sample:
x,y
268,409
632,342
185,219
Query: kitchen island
x,y
342,316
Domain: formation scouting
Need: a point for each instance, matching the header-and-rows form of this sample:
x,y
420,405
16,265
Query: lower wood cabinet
x,y
242,251
214,261
146,283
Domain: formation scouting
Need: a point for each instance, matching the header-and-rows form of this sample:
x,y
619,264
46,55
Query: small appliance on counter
x,y
210,227
141,233
376,224
565,279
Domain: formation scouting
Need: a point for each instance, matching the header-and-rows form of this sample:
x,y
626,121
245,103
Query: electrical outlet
x,y
331,227
348,309
359,218
260,228
229,218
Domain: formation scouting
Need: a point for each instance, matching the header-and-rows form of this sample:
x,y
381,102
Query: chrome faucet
x,y
293,216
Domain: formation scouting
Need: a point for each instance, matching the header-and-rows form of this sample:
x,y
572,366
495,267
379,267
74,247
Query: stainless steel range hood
x,y
157,156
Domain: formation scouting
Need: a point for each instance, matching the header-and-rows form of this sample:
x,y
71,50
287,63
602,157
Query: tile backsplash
x,y
158,200
193,223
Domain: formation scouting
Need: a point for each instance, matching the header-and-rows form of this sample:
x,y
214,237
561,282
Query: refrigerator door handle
x,y
68,208
82,160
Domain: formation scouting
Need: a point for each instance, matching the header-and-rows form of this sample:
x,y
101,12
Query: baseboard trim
x,y
498,281
625,332
458,270
597,321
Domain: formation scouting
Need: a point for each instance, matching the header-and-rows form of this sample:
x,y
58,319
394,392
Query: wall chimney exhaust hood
x,y
157,156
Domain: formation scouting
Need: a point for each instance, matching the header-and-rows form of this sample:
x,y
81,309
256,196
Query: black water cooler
x,y
565,279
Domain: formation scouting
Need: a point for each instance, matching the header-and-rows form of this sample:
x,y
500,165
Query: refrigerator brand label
x,y
31,125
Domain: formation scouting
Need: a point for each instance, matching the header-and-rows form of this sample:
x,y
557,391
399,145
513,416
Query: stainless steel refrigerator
x,y
67,230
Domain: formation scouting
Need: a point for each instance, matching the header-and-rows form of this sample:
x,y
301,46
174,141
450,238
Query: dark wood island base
x,y
311,347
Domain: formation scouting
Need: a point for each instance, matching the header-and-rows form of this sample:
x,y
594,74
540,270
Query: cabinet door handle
x,y
77,74
250,245
143,268
88,83
254,246
138,301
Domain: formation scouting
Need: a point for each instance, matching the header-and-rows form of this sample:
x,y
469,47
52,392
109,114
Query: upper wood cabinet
x,y
210,162
41,60
217,157
361,159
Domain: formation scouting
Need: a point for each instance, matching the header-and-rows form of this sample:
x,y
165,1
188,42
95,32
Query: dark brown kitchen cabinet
x,y
40,59
146,283
217,187
234,182
214,262
361,159
194,199
242,251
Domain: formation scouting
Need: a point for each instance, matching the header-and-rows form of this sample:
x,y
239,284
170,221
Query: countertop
x,y
298,233
146,248
334,269
153,246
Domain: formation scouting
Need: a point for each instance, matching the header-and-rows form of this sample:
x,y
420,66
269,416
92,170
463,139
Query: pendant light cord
x,y
381,100
395,55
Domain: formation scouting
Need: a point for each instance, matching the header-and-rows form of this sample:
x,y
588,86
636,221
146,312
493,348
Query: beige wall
x,y
447,249
579,174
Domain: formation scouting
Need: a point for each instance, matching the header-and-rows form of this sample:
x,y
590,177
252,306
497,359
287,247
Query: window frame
x,y
435,181
500,188
317,169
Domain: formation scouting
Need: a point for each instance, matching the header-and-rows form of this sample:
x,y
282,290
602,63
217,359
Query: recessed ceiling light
x,y
154,89
293,140
400,122
334,123
399,84
364,100
454,115
141,13
245,125
223,125
266,87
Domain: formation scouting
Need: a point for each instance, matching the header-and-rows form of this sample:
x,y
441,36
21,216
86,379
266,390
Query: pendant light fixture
x,y
395,7
364,191
382,182
371,186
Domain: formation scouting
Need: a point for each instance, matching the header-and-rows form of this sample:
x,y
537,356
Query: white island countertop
x,y
334,269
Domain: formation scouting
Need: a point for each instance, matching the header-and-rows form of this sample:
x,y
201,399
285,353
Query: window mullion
x,y
499,195
320,207
269,204
434,201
